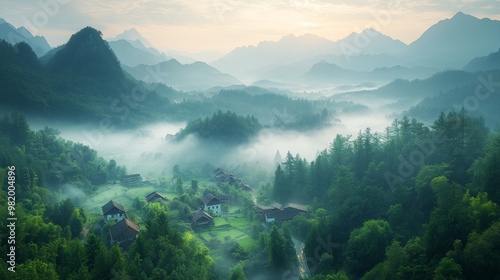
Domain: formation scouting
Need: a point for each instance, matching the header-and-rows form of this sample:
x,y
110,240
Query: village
x,y
220,213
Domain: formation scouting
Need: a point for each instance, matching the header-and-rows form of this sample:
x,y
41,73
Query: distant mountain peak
x,y
370,32
23,31
172,61
2,20
452,42
132,31
462,15
133,35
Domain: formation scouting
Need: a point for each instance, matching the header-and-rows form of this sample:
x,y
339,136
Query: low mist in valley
x,y
152,151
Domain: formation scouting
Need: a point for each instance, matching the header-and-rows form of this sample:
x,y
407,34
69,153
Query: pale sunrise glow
x,y
222,25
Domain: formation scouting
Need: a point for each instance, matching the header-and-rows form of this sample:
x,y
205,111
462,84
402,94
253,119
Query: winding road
x,y
301,257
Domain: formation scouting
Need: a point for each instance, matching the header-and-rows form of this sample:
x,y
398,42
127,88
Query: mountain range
x,y
448,44
84,77
484,63
325,74
14,35
472,88
291,49
133,49
460,42
187,77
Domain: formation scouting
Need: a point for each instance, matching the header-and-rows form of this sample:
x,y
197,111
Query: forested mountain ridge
x,y
81,82
484,63
87,54
479,96
189,77
227,128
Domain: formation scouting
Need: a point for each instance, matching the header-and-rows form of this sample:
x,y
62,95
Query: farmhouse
x,y
113,211
155,196
286,213
201,218
261,209
123,233
220,176
131,179
212,203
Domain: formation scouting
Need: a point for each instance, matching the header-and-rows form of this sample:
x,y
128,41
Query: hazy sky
x,y
221,25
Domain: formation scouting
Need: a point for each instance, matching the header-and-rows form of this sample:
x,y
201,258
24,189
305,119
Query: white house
x,y
212,203
113,211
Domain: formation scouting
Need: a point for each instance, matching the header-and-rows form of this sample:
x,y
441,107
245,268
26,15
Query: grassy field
x,y
233,227
121,194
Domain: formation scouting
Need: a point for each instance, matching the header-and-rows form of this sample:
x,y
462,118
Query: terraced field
x,y
234,226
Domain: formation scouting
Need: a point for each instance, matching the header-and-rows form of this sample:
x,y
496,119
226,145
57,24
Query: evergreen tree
x,y
280,188
277,249
237,272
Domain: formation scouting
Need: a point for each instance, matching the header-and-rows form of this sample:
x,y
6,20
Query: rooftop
x,y
210,198
117,229
110,206
152,195
199,214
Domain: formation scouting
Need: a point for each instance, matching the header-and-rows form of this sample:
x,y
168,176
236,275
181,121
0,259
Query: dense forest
x,y
416,202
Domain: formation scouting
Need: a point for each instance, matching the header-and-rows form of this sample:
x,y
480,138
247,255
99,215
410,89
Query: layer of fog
x,y
151,151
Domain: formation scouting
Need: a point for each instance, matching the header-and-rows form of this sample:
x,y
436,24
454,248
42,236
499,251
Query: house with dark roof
x,y
245,187
287,213
201,217
155,196
297,207
263,209
113,211
220,177
123,233
131,179
224,198
212,203
217,172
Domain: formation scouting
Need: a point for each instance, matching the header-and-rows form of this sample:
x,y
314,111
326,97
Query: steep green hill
x,y
225,127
